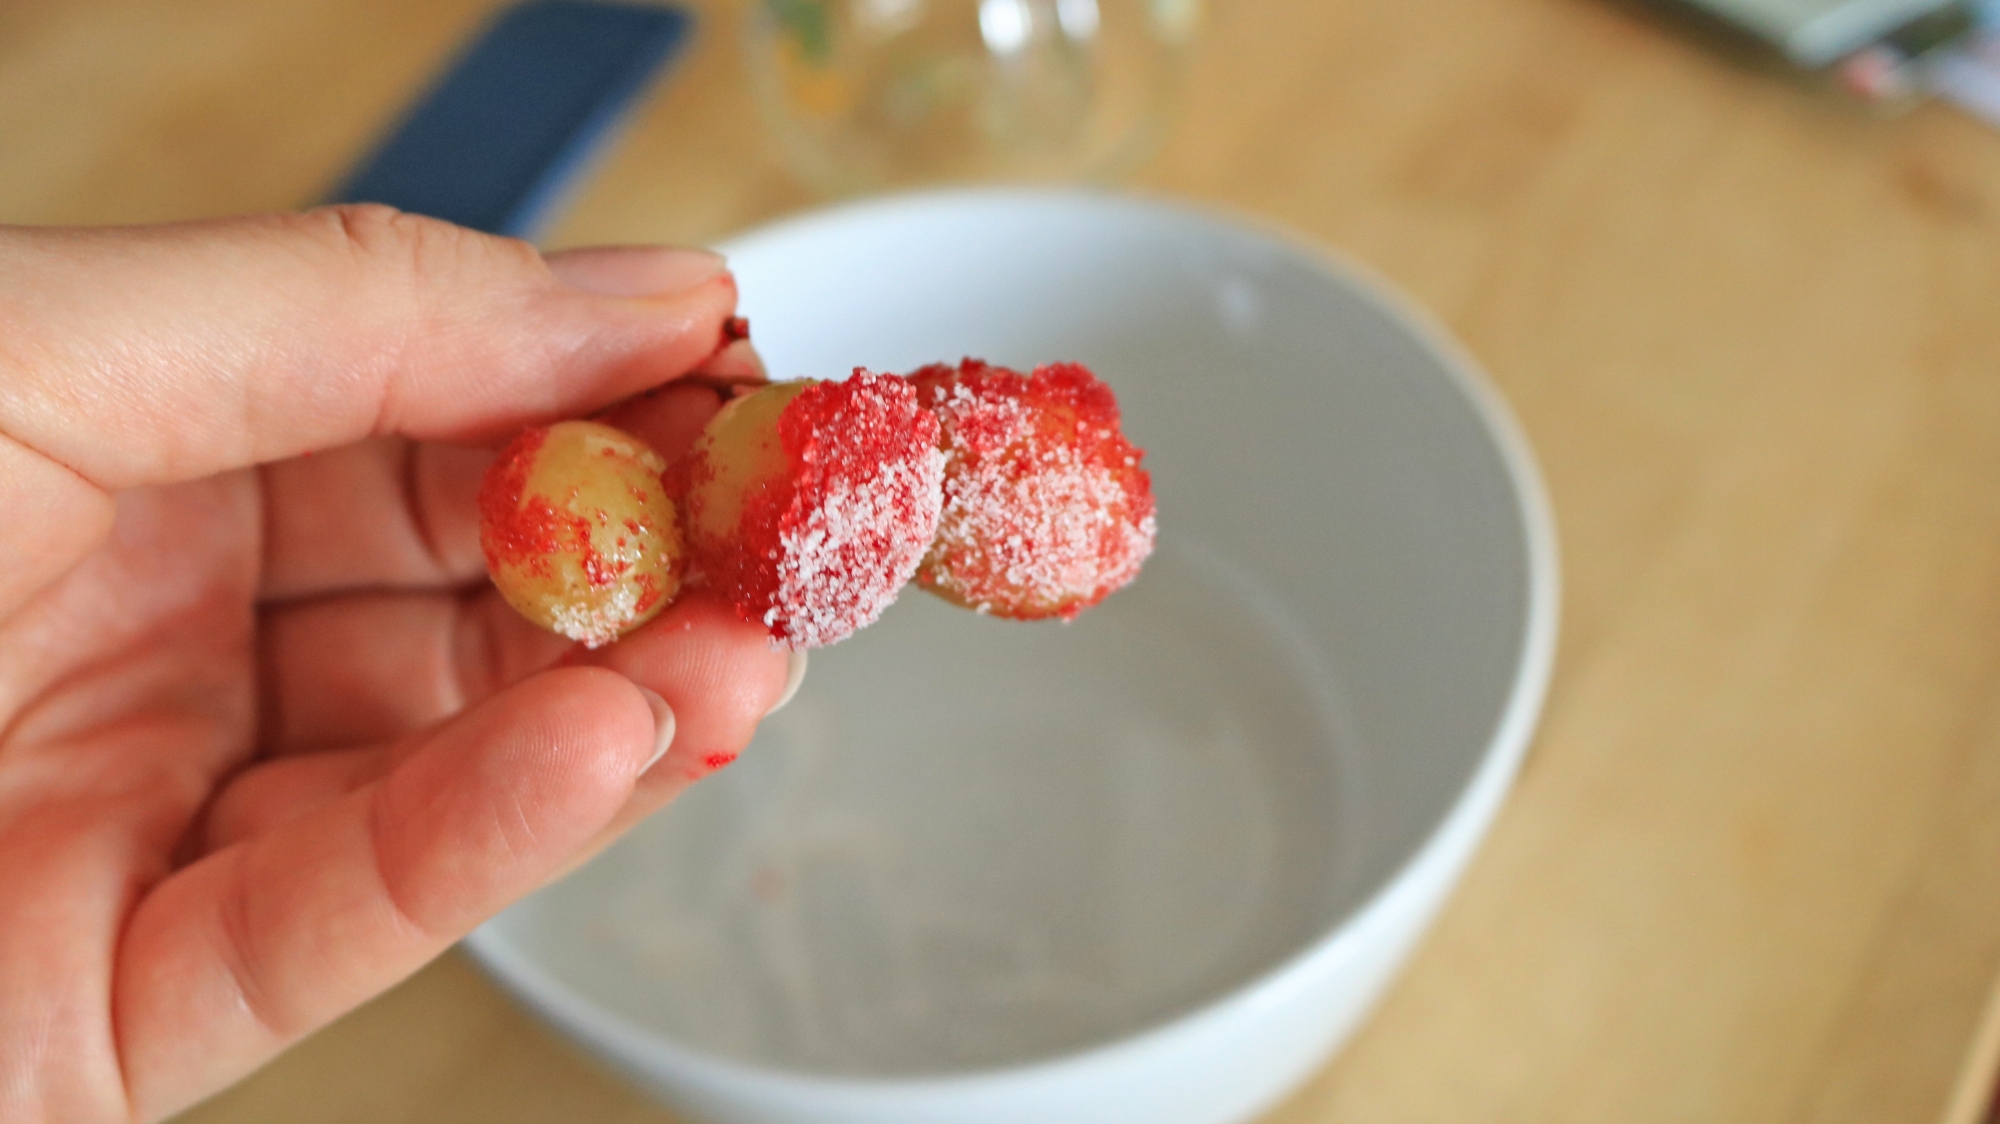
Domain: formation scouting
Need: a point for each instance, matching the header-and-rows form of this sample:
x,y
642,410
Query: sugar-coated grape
x,y
1046,507
807,505
810,503
578,530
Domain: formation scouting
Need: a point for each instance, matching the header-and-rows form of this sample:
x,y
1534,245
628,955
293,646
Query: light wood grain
x,y
1750,873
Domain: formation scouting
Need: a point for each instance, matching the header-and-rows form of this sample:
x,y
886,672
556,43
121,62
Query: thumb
x,y
147,355
233,958
154,354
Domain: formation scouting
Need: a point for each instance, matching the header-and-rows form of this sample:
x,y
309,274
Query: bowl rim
x,y
1470,810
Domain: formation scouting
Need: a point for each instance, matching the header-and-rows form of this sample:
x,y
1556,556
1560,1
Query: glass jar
x,y
871,94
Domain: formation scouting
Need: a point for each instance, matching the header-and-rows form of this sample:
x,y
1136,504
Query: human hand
x,y
268,740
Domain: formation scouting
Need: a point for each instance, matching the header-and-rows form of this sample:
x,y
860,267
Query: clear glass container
x,y
871,94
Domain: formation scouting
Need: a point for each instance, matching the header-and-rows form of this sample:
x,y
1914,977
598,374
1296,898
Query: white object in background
x,y
1817,33
1152,866
1968,74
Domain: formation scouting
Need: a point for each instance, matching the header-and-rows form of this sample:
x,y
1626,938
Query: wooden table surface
x,y
1750,872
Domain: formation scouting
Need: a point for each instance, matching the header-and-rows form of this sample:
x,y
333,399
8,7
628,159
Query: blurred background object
x,y
517,118
1816,33
1891,54
1967,72
871,94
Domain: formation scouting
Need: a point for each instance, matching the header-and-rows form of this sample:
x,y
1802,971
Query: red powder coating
x,y
1046,509
649,594
525,536
824,552
599,571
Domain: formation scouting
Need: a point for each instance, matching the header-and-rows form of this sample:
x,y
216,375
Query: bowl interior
x,y
972,843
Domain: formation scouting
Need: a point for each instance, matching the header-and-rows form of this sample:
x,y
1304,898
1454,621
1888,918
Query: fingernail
x,y
795,674
663,726
636,271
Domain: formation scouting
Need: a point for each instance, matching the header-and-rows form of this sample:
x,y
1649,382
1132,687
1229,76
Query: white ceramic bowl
x,y
1152,866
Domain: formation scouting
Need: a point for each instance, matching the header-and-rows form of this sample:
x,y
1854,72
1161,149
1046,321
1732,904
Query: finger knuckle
x,y
424,251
